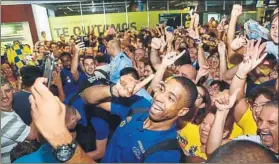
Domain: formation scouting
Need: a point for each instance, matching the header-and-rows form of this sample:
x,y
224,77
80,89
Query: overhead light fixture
x,y
70,9
172,1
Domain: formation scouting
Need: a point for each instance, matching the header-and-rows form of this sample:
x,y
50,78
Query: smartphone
x,y
49,67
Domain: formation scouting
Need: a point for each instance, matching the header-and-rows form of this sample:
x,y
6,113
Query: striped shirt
x,y
13,130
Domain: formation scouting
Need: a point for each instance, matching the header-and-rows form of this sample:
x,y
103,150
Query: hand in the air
x,y
170,58
223,101
128,86
48,112
237,10
251,59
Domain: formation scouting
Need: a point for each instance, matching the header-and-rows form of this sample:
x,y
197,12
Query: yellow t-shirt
x,y
237,131
191,134
245,126
247,123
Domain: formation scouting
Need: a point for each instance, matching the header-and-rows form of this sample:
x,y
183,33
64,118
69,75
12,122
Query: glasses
x,y
258,106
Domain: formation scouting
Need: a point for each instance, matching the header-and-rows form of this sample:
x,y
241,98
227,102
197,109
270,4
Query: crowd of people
x,y
207,93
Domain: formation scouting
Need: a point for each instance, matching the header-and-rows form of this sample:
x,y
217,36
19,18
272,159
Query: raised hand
x,y
237,10
47,110
191,14
197,19
156,43
224,101
56,77
128,86
203,71
251,59
169,37
170,58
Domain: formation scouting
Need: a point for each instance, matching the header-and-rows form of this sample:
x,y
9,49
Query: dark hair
x,y
29,74
202,112
130,70
131,48
191,90
274,103
267,91
88,57
22,149
108,38
101,58
222,85
65,45
184,59
51,43
65,54
242,151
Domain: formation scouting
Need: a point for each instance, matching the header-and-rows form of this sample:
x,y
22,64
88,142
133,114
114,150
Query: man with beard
x,y
70,85
136,134
13,129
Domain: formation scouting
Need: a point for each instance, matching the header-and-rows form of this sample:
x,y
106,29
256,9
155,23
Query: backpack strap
x,y
137,110
169,144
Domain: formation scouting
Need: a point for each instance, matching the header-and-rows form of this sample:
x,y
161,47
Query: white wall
x,y
41,21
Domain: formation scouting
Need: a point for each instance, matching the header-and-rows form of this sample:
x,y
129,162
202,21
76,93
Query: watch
x,y
64,153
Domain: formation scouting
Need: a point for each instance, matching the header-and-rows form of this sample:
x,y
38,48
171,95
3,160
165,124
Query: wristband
x,y
240,77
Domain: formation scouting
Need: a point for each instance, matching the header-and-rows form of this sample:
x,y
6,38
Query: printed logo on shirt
x,y
122,123
137,152
129,118
141,147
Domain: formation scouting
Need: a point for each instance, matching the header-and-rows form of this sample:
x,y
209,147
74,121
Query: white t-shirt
x,y
13,130
253,138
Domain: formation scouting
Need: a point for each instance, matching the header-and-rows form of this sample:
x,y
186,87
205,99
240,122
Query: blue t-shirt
x,y
78,104
119,62
101,126
130,141
69,85
42,155
22,106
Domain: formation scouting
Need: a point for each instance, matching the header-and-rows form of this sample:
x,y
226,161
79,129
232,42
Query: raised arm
x,y
74,66
96,94
229,74
154,54
201,57
222,55
224,103
236,12
251,60
168,60
48,112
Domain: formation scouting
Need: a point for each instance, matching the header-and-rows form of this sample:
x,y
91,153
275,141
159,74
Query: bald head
x,y
187,70
113,47
242,151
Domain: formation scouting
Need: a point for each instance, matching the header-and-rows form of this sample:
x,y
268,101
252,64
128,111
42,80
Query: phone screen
x,y
49,66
